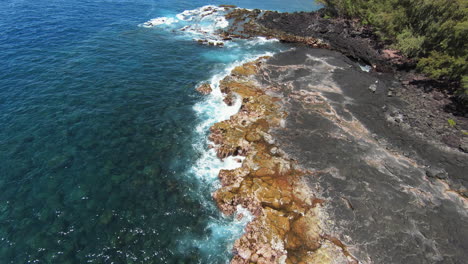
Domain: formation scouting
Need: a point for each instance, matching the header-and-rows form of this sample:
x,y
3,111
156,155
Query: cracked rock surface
x,y
391,196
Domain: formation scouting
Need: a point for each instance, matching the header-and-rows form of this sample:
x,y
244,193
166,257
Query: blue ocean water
x,y
103,154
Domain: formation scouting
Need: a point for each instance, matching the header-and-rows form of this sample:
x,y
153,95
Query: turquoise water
x,y
102,137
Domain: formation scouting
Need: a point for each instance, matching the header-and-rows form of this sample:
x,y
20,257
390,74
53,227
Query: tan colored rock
x,y
229,99
253,136
263,172
204,89
305,232
246,69
286,228
244,253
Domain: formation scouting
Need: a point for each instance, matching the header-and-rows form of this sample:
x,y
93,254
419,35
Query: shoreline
x,y
437,115
429,114
335,137
284,184
288,222
383,185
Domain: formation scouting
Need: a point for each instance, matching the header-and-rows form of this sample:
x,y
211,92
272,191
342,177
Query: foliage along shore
x,y
432,32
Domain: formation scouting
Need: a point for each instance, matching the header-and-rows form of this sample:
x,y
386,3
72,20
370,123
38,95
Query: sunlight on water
x,y
104,152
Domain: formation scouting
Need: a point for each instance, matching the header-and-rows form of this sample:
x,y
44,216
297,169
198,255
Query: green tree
x,y
433,32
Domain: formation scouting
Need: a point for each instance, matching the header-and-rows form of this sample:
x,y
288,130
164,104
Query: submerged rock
x,y
204,89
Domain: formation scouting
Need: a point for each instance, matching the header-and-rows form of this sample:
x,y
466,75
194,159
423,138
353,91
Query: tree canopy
x,y
434,32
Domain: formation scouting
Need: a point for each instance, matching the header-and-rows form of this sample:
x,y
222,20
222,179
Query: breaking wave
x,y
201,25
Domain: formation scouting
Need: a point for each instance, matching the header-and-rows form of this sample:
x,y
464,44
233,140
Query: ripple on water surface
x,y
100,158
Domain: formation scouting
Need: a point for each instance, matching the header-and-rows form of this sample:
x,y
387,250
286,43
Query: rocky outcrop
x,y
351,137
391,195
311,28
428,116
204,88
288,222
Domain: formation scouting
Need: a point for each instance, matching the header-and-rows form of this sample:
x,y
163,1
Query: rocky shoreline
x,y
429,113
390,195
339,165
317,160
435,115
288,223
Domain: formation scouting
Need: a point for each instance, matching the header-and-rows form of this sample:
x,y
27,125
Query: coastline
x,y
436,116
307,143
298,189
288,224
391,196
430,113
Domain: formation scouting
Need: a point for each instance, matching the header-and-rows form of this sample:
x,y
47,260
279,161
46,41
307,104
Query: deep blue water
x,y
102,153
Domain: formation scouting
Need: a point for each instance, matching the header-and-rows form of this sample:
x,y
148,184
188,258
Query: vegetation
x,y
452,122
434,32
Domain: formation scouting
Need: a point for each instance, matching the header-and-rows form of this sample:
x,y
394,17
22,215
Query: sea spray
x,y
200,24
97,132
221,231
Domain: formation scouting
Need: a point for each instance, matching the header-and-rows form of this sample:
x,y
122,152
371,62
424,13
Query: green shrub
x,y
452,122
433,32
441,65
409,44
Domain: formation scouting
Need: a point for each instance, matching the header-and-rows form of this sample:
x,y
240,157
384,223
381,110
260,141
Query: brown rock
x,y
204,89
267,184
263,172
246,69
253,136
305,232
244,253
254,258
228,6
230,99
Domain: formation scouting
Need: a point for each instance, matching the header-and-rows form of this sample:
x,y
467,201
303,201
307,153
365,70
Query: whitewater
x,y
104,155
204,23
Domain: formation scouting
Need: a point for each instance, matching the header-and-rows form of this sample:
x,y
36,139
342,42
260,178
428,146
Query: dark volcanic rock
x,y
346,36
464,146
343,35
427,98
392,195
434,173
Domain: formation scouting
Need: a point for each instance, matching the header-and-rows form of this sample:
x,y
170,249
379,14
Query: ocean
x,y
103,138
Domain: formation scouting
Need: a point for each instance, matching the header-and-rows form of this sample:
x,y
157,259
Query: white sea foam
x,y
213,110
262,41
222,231
159,21
202,23
209,13
199,24
204,19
